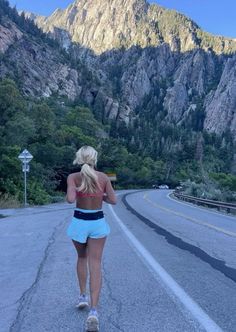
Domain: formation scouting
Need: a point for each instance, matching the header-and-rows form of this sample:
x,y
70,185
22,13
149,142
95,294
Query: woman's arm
x,y
109,196
71,189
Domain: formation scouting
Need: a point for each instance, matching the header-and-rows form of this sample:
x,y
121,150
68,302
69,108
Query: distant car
x,y
163,186
179,188
155,186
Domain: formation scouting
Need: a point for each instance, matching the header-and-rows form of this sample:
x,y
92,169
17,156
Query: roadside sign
x,y
25,156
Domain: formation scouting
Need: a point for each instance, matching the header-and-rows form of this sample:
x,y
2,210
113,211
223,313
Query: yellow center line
x,y
203,223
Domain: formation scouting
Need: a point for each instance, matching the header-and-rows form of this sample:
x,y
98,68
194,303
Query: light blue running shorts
x,y
80,230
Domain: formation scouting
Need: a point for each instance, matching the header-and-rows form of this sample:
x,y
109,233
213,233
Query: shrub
x,y
208,190
7,201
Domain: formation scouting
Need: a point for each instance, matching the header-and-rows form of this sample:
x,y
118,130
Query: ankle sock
x,y
93,311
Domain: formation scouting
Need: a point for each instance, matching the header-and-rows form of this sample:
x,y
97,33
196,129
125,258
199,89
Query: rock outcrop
x,y
220,105
129,57
39,69
161,50
103,25
8,36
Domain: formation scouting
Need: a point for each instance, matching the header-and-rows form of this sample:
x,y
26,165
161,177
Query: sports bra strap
x,y
81,194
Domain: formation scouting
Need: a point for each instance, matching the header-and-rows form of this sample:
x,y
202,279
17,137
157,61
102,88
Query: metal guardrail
x,y
229,207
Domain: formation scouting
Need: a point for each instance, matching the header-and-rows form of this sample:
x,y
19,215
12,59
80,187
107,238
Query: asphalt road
x,y
167,266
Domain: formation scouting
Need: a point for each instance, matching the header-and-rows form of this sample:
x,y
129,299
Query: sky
x,y
215,16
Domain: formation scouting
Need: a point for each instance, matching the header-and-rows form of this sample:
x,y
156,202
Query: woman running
x,y
88,228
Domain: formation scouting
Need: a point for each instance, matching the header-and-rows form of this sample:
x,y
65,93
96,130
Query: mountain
x,y
104,25
145,52
127,58
37,63
162,92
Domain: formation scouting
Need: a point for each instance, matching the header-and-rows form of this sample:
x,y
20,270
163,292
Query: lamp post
x,y
25,157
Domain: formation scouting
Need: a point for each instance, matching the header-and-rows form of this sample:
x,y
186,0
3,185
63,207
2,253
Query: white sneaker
x,y
82,302
92,323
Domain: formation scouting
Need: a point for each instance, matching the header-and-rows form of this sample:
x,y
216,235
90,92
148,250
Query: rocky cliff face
x,y
154,53
220,104
103,25
39,69
8,36
133,57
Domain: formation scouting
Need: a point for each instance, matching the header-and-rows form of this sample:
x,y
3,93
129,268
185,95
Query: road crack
x,y
111,319
25,300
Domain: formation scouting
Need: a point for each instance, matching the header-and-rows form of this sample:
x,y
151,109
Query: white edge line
x,y
183,297
199,208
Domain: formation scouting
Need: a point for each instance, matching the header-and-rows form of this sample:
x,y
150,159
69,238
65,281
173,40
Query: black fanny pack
x,y
88,216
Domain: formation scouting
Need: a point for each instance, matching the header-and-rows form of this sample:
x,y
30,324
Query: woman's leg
x,y
95,249
81,249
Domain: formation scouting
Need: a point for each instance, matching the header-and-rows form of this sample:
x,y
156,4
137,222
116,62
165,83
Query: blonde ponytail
x,y
89,179
87,157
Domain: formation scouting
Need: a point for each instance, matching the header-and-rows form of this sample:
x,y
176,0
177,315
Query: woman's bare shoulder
x,y
74,176
102,176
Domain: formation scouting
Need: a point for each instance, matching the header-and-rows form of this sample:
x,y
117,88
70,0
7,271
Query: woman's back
x,y
90,200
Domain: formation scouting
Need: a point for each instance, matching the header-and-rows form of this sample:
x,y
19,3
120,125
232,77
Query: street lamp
x,y
25,157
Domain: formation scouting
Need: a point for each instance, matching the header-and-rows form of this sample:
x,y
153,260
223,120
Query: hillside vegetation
x,y
155,115
53,131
